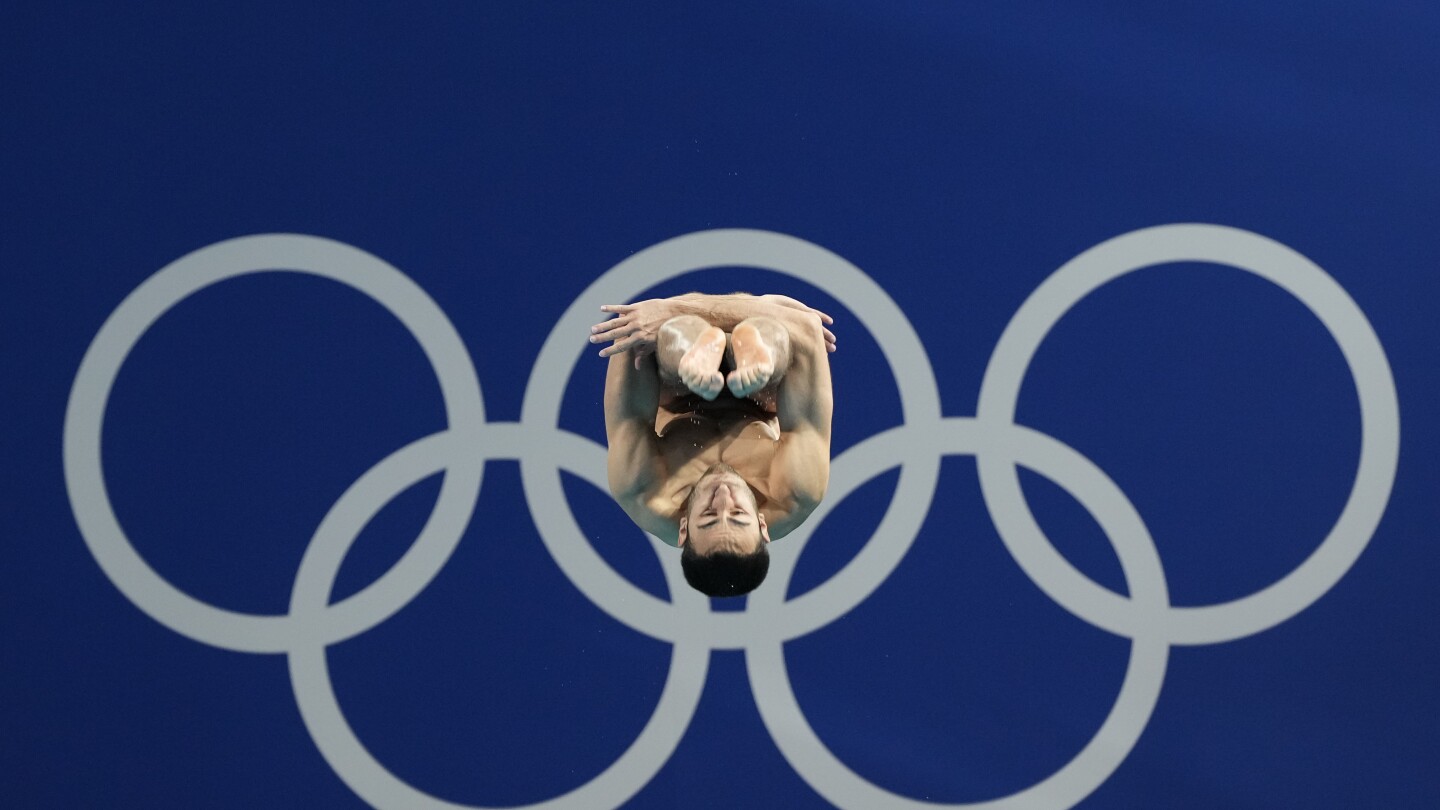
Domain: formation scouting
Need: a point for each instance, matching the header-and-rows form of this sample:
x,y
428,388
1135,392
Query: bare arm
x,y
800,470
637,326
634,463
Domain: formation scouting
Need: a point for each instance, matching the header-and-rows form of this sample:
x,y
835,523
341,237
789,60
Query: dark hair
x,y
725,573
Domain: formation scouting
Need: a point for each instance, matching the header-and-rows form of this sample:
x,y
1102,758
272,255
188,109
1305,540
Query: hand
x,y
825,320
634,328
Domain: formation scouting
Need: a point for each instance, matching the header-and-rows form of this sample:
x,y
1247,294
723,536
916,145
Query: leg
x,y
762,353
689,351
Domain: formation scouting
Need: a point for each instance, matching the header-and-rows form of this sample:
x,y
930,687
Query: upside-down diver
x,y
717,412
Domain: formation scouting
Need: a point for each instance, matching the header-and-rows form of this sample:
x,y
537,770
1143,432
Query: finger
x,y
616,307
829,336
823,317
614,334
640,353
610,324
619,346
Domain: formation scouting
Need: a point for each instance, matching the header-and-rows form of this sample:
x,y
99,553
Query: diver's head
x,y
723,536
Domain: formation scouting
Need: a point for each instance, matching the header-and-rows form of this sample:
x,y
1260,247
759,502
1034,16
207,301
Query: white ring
x,y
1379,416
1144,675
85,413
309,667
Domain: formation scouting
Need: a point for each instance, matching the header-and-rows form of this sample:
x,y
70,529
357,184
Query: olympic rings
x,y
917,447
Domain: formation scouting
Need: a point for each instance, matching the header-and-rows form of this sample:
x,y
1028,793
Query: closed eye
x,y
735,520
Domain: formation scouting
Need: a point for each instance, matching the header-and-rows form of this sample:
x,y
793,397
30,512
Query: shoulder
x,y
650,516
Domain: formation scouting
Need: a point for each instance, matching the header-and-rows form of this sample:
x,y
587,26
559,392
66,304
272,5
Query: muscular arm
x,y
636,468
800,470
637,326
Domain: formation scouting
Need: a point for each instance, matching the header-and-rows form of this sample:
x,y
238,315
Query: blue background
x,y
503,157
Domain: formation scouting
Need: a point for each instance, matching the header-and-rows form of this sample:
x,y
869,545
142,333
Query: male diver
x,y
717,411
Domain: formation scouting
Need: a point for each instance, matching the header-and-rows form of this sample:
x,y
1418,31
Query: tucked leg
x,y
761,348
689,351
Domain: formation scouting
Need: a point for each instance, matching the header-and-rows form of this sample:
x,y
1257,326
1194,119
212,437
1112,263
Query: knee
x,y
683,325
773,332
680,332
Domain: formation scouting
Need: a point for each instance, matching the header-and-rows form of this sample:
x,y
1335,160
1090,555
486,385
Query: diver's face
x,y
723,516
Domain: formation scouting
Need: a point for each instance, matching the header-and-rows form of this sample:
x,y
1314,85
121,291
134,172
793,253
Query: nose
x,y
722,498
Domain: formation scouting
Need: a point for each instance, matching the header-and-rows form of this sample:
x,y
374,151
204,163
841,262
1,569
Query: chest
x,y
691,445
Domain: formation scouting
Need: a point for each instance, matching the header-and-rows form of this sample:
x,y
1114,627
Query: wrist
x,y
681,305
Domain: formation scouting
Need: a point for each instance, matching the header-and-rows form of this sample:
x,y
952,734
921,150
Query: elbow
x,y
805,331
621,490
806,500
626,488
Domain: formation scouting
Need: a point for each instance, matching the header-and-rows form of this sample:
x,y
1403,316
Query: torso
x,y
695,434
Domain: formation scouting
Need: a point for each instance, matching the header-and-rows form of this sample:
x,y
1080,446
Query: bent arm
x,y
727,311
636,327
635,467
800,470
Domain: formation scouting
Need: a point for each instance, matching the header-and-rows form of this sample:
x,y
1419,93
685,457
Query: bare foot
x,y
754,361
699,368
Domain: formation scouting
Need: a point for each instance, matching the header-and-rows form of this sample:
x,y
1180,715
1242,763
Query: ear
x,y
684,536
764,530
